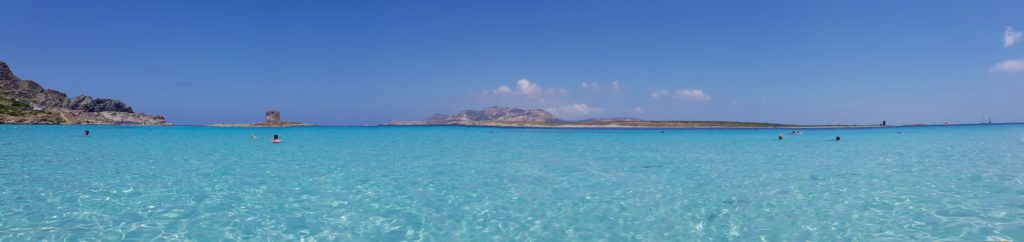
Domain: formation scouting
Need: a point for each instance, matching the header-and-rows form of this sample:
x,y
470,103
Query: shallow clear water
x,y
483,184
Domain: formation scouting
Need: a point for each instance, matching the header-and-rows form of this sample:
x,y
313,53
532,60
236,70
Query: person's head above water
x,y
275,136
86,133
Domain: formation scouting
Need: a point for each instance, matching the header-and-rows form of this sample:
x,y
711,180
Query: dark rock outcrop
x,y
7,77
51,98
11,85
88,104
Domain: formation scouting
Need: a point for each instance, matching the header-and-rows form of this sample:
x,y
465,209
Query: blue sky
x,y
368,62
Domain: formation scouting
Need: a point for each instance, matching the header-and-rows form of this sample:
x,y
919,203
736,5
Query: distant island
x,y
514,117
27,102
272,119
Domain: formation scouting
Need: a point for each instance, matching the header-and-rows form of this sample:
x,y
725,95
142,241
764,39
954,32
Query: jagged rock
x,y
88,104
12,85
7,77
23,88
51,98
79,102
109,105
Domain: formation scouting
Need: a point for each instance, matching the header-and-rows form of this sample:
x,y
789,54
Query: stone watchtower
x,y
273,116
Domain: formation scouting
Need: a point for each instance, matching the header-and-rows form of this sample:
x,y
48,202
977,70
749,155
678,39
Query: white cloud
x,y
593,86
695,94
660,93
503,89
686,94
638,110
1008,66
1011,37
526,88
575,110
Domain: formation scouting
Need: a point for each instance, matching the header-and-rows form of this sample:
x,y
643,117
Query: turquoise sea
x,y
957,183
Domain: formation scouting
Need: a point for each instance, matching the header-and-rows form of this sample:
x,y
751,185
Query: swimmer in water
x,y
276,139
253,136
837,137
85,134
780,137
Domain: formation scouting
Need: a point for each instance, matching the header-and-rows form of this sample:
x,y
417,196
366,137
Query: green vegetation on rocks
x,y
13,107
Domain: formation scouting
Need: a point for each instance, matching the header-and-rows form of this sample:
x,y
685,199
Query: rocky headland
x,y
27,102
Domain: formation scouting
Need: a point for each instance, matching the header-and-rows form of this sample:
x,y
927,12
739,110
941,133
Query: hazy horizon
x,y
362,63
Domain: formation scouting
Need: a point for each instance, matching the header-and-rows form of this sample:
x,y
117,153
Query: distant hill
x,y
27,102
496,114
489,116
514,117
